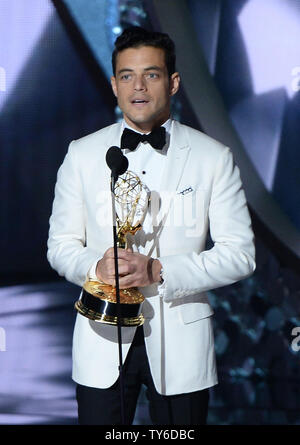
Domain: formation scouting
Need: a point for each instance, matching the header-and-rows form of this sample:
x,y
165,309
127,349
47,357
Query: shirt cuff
x,y
92,271
162,287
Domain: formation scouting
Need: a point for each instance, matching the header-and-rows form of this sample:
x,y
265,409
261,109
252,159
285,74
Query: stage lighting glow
x,y
116,30
271,31
21,24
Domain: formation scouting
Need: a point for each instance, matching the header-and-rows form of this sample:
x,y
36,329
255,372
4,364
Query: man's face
x,y
143,87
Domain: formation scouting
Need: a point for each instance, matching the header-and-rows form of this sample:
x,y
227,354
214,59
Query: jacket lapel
x,y
176,160
113,139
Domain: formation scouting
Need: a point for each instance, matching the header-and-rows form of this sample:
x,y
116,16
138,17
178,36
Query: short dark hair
x,y
135,37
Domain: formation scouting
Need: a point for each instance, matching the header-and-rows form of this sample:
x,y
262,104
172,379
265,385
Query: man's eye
x,y
125,77
153,75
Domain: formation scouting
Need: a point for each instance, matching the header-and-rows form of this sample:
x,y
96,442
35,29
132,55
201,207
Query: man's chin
x,y
144,122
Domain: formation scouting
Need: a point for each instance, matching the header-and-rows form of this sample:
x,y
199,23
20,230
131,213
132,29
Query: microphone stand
x,y
114,178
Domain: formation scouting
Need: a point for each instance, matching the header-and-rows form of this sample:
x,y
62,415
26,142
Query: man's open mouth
x,y
139,101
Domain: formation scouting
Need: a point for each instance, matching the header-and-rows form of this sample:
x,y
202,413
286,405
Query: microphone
x,y
116,161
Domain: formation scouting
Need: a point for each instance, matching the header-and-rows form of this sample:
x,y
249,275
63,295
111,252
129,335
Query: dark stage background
x,y
54,87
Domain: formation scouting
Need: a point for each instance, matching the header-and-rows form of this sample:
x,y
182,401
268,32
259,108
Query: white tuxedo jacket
x,y
178,330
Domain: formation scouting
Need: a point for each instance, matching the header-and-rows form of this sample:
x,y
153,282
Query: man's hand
x,y
135,269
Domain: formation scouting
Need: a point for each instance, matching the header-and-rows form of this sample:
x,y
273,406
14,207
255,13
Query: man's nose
x,y
139,83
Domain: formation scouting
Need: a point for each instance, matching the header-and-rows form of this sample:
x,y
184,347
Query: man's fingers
x,y
126,282
125,254
124,267
132,267
127,265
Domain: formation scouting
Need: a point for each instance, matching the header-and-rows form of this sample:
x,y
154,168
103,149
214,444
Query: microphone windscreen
x,y
116,161
124,166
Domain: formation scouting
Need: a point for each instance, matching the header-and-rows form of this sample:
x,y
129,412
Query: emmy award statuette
x,y
98,300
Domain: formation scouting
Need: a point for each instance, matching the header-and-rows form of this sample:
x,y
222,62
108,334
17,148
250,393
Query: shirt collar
x,y
166,124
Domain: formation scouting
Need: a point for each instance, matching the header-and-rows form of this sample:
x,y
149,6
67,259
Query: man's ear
x,y
113,85
174,83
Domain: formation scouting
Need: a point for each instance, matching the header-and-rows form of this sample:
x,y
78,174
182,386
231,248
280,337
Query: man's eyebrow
x,y
154,67
149,68
124,69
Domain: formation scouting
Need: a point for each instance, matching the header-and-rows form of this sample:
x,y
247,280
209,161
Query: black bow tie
x,y
130,139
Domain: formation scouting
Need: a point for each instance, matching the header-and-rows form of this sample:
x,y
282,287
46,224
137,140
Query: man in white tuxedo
x,y
198,188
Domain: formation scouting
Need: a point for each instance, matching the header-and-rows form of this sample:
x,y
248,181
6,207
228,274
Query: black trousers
x,y
102,406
